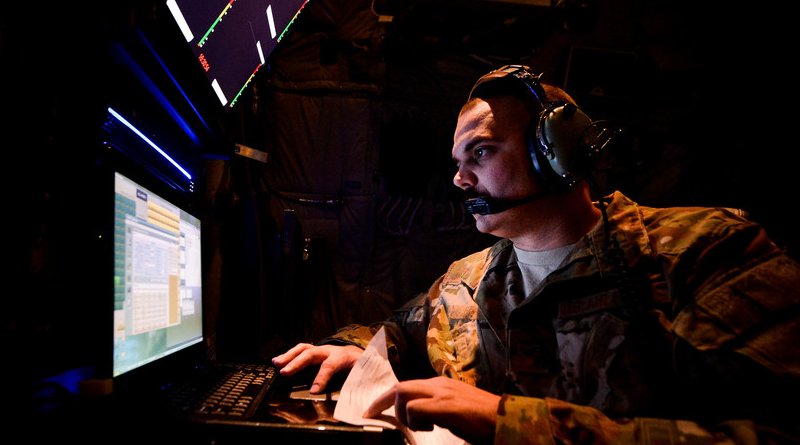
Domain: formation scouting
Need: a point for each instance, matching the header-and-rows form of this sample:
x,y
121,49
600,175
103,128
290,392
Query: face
x,y
491,156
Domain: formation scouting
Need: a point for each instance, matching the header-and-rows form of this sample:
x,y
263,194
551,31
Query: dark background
x,y
355,212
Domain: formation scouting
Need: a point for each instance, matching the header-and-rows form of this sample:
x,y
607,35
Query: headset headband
x,y
520,72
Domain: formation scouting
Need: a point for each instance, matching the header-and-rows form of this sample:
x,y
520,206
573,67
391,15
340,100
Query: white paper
x,y
371,376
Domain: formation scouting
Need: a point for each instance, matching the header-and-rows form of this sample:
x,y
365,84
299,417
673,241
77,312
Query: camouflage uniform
x,y
689,314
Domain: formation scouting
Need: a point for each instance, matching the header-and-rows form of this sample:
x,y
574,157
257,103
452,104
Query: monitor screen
x,y
157,277
232,39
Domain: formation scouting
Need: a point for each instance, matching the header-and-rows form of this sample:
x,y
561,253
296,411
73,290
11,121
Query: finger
x,y
326,371
416,393
309,355
282,359
381,403
417,416
400,411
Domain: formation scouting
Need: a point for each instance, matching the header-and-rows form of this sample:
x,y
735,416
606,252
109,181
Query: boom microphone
x,y
488,206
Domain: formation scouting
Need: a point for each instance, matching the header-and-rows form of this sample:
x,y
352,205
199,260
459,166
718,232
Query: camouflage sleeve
x,y
405,338
354,334
528,421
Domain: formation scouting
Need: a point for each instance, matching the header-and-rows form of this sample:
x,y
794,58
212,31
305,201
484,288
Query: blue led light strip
x,y
149,142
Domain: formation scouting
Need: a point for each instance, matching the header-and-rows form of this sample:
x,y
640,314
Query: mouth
x,y
473,194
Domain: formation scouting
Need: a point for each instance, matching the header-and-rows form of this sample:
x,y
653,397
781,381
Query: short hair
x,y
512,86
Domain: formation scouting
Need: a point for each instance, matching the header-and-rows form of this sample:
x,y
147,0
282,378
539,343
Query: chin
x,y
487,223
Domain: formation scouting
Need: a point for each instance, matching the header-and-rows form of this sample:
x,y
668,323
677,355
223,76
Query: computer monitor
x,y
157,277
232,40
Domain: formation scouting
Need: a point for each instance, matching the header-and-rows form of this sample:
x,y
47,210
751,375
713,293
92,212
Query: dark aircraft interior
x,y
325,187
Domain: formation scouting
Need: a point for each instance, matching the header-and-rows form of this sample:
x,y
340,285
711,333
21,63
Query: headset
x,y
564,142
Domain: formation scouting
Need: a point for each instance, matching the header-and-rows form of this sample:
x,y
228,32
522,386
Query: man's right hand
x,y
331,359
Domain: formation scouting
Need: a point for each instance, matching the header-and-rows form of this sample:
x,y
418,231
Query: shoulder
x,y
673,230
471,268
752,308
692,222
733,287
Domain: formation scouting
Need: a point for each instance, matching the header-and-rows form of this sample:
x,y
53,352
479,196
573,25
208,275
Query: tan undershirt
x,y
536,265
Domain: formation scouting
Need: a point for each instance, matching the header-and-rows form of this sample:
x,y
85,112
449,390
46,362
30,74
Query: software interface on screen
x,y
157,277
232,39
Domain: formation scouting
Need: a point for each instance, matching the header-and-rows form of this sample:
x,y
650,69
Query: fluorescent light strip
x,y
149,142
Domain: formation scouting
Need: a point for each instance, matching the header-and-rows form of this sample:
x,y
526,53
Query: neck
x,y
557,221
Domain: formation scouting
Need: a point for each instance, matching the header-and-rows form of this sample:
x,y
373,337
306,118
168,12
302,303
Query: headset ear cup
x,y
541,164
564,141
560,134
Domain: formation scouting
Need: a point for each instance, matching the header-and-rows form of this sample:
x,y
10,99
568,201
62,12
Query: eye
x,y
475,155
480,152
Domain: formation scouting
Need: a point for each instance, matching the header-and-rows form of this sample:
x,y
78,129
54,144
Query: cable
x,y
622,273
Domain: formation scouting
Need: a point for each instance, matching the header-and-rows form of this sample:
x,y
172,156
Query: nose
x,y
463,178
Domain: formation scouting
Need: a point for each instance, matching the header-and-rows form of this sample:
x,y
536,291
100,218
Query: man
x,y
589,322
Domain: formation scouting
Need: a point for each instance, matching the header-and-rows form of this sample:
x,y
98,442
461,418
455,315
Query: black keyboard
x,y
230,390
